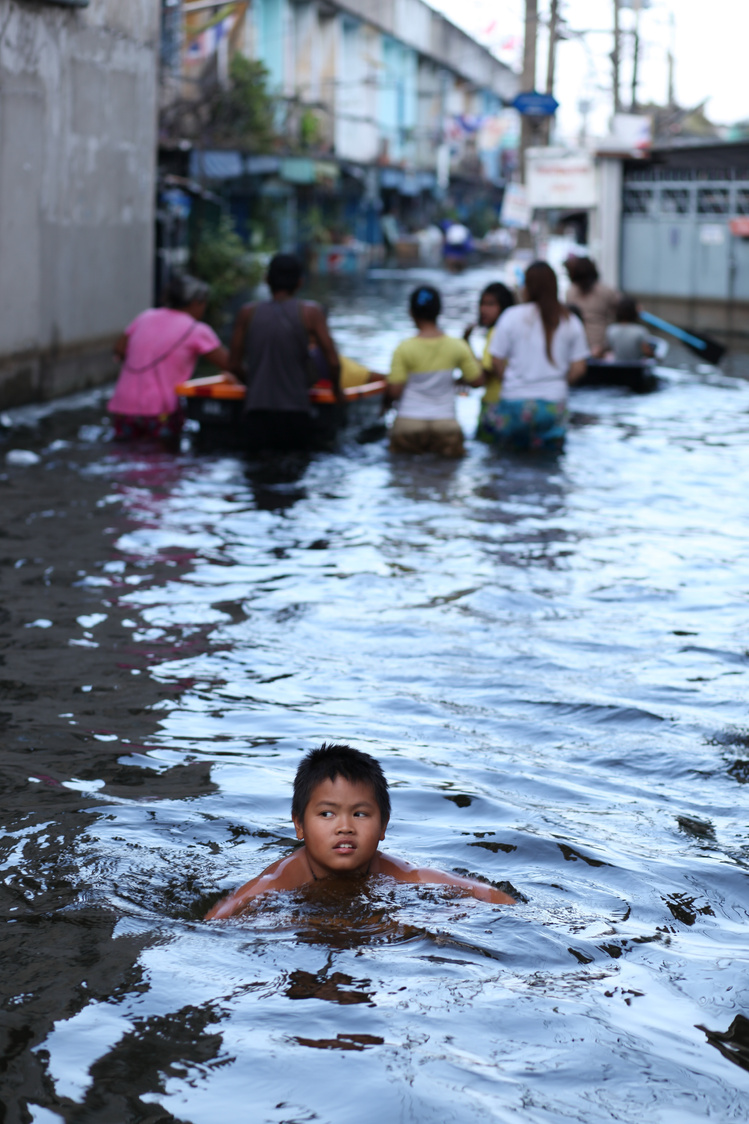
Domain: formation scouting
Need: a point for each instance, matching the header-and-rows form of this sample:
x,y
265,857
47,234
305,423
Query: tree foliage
x,y
238,115
221,258
243,113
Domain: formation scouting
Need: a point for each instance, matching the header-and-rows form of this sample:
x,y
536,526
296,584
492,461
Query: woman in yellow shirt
x,y
421,381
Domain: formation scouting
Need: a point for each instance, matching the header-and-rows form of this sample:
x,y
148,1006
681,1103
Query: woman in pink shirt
x,y
159,350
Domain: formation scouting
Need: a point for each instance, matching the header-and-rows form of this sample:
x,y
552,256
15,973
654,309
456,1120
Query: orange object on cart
x,y
228,387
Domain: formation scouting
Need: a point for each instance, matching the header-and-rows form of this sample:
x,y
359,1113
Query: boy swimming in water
x,y
341,809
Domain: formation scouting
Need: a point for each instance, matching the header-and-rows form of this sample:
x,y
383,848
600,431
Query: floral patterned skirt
x,y
158,427
524,425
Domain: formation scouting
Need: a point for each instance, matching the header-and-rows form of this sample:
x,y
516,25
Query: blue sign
x,y
533,104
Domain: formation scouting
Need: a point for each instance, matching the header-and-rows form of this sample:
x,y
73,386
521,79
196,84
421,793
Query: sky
x,y
710,39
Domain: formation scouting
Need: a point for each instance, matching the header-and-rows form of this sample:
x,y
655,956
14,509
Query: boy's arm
x,y
405,872
239,334
285,874
315,321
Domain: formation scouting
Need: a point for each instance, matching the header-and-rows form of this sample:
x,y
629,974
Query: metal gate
x,y
676,234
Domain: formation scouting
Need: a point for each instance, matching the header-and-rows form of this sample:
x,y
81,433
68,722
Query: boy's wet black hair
x,y
425,303
284,273
331,761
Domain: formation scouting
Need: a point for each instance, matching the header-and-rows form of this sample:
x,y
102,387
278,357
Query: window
x,y
638,201
675,201
712,201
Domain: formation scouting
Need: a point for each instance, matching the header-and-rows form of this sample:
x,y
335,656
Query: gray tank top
x,y
276,359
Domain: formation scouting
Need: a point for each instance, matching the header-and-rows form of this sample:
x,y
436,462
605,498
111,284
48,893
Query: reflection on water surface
x,y
549,660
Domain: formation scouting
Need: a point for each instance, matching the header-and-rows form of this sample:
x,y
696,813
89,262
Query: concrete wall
x,y
357,132
606,221
78,92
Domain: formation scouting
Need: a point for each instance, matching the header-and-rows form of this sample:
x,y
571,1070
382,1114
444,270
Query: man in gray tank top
x,y
270,348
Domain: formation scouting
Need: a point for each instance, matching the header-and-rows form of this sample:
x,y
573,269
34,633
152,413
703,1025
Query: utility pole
x,y
551,60
616,57
637,5
528,127
671,54
552,55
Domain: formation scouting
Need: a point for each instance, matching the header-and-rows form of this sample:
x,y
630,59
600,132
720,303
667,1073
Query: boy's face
x,y
341,827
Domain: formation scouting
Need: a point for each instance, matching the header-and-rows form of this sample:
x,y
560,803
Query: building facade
x,y
78,88
685,234
378,106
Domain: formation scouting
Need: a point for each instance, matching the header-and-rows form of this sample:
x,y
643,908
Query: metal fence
x,y
676,234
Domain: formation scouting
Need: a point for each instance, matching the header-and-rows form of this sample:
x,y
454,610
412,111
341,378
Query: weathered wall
x,y
415,24
77,169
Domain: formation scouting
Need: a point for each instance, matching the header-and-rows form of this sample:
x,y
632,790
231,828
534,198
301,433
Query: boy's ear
x,y
298,827
384,829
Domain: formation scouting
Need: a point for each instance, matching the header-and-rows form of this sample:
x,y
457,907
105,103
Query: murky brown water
x,y
551,663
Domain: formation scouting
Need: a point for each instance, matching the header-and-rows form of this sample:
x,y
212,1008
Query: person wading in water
x,y
270,351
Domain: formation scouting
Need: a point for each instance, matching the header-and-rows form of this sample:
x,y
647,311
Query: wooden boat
x,y
638,376
215,402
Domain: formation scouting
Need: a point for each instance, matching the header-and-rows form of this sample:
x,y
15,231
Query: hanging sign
x,y
533,104
712,234
515,210
560,179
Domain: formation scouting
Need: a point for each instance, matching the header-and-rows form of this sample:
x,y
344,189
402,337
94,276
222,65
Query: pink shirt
x,y
163,346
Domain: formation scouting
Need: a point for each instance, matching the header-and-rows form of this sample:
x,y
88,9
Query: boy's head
x,y
285,273
331,761
626,311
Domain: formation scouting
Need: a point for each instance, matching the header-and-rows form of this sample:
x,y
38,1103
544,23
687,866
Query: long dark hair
x,y
541,287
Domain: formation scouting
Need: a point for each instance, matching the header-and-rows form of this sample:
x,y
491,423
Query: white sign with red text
x,y
562,180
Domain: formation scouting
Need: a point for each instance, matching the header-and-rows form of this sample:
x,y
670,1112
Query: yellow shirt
x,y
426,365
493,390
352,373
419,355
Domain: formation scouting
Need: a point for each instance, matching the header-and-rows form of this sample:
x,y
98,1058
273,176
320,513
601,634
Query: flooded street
x,y
550,661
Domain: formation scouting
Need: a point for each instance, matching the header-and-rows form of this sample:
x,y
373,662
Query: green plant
x,y
220,257
244,112
309,129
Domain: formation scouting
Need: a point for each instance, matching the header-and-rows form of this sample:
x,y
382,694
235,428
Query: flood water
x,y
550,660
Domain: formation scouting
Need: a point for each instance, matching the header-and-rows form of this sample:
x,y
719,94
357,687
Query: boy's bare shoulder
x,y
404,871
285,874
394,867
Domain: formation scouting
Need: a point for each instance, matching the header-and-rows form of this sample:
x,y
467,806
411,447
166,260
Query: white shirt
x,y
520,339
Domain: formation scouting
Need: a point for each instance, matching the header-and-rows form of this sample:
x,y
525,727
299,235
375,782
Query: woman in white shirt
x,y
538,349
